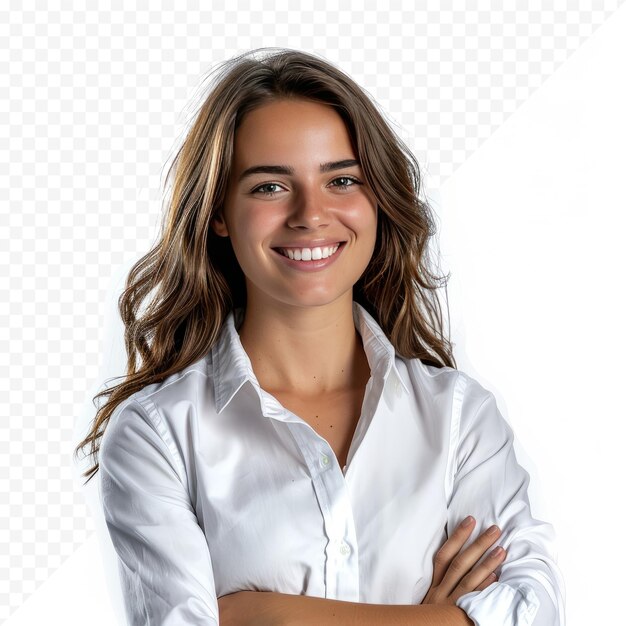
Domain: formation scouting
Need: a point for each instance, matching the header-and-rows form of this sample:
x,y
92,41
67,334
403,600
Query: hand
x,y
453,575
249,608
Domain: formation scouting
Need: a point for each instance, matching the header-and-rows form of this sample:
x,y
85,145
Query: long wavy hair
x,y
192,275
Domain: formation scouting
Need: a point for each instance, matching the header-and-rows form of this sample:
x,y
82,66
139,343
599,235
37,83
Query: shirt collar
x,y
232,366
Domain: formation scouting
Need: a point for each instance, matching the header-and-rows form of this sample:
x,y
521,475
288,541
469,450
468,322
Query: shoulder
x,y
429,378
160,405
184,385
445,385
149,426
467,408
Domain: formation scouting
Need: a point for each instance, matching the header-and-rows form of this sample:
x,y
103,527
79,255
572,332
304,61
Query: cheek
x,y
360,214
372,231
252,231
249,228
366,222
259,222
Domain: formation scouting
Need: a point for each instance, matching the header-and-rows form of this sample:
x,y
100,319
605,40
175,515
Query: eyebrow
x,y
289,171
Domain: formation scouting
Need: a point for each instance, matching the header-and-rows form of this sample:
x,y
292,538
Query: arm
x,y
310,611
163,557
491,485
281,609
455,574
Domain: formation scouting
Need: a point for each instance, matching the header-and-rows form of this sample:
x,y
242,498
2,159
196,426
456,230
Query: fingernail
x,y
492,530
496,552
467,521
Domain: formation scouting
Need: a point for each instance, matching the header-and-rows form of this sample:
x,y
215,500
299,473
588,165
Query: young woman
x,y
296,445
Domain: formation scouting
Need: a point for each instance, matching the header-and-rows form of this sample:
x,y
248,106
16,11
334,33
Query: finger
x,y
480,572
463,562
488,581
451,548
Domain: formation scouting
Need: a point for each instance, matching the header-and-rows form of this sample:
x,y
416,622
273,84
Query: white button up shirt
x,y
210,486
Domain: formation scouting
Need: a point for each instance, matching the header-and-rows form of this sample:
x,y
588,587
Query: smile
x,y
310,259
308,254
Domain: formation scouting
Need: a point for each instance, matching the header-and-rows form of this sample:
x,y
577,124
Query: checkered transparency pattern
x,y
92,104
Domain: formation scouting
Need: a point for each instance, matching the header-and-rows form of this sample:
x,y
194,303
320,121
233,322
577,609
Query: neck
x,y
304,350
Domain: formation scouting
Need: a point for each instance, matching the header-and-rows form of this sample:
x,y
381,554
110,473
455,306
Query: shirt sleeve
x,y
163,556
490,485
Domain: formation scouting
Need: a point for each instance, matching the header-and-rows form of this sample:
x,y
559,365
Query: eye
x,y
345,185
265,193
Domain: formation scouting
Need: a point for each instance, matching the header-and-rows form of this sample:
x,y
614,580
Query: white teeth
x,y
308,254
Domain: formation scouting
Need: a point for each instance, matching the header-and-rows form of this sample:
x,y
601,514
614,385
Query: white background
x,y
515,112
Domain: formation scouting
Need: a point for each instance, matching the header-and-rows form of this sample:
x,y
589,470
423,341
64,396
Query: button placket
x,y
341,567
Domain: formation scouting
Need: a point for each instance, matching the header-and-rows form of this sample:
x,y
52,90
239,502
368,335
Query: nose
x,y
309,209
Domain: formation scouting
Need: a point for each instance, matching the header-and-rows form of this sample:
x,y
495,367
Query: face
x,y
296,185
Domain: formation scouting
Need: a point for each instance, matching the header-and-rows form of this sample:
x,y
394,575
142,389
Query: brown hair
x,y
192,274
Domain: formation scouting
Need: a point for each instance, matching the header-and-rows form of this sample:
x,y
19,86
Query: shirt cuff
x,y
501,605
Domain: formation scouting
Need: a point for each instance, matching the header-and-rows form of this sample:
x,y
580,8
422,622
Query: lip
x,y
312,243
311,266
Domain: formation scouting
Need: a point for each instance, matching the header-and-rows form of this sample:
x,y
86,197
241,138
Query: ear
x,y
219,225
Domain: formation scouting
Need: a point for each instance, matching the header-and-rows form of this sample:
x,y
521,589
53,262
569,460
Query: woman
x,y
297,442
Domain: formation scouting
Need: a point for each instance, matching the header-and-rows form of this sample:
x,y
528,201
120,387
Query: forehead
x,y
294,129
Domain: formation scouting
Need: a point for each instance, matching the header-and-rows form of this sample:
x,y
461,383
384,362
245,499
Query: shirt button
x,y
344,548
325,460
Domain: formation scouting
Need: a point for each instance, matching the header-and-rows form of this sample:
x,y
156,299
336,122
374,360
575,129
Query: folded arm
x,y
490,485
280,609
